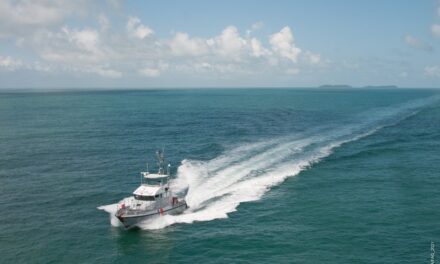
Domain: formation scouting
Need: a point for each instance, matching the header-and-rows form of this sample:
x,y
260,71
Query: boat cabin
x,y
153,187
149,193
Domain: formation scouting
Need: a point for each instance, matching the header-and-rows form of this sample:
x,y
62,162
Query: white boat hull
x,y
131,220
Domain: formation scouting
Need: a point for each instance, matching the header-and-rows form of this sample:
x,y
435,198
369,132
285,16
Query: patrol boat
x,y
153,198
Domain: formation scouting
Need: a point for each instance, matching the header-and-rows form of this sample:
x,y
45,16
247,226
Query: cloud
x,y
32,12
115,4
20,17
217,69
417,44
228,43
312,58
72,46
432,71
403,74
136,29
112,51
257,48
438,7
104,22
149,72
435,30
86,39
9,64
292,71
283,44
412,41
182,45
254,27
108,73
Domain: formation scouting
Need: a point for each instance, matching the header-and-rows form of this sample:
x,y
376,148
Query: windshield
x,y
156,181
144,198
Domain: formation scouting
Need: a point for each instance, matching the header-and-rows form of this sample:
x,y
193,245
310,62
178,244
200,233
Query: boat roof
x,y
153,175
147,190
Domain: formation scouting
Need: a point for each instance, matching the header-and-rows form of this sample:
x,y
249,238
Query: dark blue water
x,y
272,176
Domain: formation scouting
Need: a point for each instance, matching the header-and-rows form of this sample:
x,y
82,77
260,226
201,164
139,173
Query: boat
x,y
153,198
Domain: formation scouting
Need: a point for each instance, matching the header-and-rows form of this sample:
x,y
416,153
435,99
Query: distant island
x,y
346,86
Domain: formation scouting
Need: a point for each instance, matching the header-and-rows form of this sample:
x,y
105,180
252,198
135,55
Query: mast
x,y
168,174
160,161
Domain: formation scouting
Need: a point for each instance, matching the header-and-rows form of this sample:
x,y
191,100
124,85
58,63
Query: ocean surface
x,y
270,175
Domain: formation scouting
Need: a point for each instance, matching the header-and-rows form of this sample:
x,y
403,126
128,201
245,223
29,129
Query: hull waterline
x,y
130,221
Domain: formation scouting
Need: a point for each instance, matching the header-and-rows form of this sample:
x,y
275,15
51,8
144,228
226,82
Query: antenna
x,y
168,174
160,161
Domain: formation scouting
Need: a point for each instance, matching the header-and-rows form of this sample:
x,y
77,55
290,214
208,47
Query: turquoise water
x,y
271,175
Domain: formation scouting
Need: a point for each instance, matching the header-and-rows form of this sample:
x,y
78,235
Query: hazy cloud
x,y
438,8
19,17
149,72
417,44
292,71
108,73
432,71
435,30
68,45
312,58
254,27
9,64
136,29
104,22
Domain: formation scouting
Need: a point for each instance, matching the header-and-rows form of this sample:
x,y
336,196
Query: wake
x,y
215,188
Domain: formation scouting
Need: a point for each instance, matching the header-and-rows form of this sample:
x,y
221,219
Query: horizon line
x,y
103,88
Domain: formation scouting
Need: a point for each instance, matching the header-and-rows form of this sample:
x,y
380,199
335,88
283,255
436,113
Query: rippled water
x,y
282,176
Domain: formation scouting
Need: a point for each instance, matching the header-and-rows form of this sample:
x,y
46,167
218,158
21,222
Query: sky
x,y
154,44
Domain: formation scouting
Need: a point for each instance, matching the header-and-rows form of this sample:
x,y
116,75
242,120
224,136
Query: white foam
x,y
209,200
111,209
216,188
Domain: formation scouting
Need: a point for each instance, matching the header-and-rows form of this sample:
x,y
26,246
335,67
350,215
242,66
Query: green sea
x,y
270,175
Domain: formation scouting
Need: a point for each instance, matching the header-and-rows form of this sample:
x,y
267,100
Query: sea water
x,y
270,175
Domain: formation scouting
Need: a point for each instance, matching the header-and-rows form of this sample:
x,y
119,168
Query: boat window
x,y
156,181
144,198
